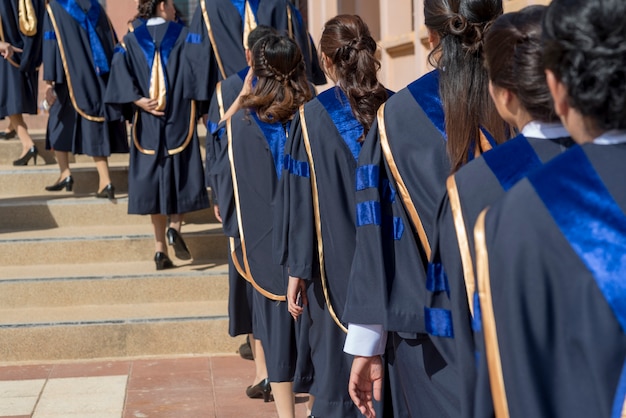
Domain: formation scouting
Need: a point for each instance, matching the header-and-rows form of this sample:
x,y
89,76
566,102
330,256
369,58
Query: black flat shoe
x,y
107,193
67,183
176,240
8,135
162,261
245,351
31,153
260,390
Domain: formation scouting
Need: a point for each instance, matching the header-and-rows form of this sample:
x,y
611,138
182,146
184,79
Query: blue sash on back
x,y
512,161
89,21
276,136
594,225
240,5
148,47
425,91
338,107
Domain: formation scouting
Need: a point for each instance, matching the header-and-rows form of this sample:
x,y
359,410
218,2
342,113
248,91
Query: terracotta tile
x,y
25,372
177,403
89,369
16,416
201,381
154,367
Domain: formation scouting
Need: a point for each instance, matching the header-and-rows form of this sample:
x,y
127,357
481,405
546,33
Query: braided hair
x,y
347,42
281,86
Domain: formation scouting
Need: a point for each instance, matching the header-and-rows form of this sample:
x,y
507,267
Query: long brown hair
x,y
463,81
281,86
347,41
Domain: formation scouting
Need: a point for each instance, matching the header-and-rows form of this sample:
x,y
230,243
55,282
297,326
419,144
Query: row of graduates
x,y
95,84
397,271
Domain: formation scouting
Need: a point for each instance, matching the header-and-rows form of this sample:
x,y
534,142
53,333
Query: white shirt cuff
x,y
365,340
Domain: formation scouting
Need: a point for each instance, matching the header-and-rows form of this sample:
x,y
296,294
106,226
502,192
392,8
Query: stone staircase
x,y
77,280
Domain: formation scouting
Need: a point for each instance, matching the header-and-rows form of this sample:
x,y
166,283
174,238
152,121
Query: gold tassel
x,y
249,25
27,17
157,83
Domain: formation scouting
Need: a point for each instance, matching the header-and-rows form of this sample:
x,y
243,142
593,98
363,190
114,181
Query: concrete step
x,y
11,150
62,285
32,180
105,244
23,213
121,330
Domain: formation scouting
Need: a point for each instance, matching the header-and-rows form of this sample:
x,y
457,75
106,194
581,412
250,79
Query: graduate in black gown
x,y
245,177
318,217
423,133
520,92
218,32
21,26
551,263
240,291
77,50
165,176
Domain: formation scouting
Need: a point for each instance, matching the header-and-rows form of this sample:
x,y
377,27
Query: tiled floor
x,y
182,387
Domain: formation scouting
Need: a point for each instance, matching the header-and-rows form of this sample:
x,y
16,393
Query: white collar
x,y
611,138
543,130
153,21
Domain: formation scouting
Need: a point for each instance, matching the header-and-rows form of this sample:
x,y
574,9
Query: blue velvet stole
x,y
338,107
243,73
594,225
425,91
512,161
472,148
240,5
276,136
89,21
148,46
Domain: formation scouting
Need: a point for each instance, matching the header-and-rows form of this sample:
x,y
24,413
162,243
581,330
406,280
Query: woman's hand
x,y
6,50
149,105
51,96
296,296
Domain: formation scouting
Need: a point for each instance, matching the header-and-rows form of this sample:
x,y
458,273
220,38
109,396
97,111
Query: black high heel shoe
x,y
8,135
162,261
107,193
31,153
260,390
67,183
176,240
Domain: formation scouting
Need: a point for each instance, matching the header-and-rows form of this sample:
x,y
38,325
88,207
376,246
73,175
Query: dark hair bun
x,y
585,47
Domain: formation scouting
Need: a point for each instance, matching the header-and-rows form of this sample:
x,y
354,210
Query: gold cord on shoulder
x,y
318,222
207,23
402,189
246,272
68,77
492,348
462,240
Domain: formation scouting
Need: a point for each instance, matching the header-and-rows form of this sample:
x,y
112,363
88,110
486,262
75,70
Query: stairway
x,y
77,280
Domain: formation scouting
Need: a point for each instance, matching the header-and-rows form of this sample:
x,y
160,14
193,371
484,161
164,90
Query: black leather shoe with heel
x,y
67,183
176,240
162,261
30,154
260,390
107,193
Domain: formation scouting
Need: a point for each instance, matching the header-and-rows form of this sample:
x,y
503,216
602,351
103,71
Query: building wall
x,y
398,25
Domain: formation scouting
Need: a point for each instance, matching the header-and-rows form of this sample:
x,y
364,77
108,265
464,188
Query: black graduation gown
x,y
80,70
19,75
388,277
165,173
215,55
245,177
551,280
323,150
239,290
450,288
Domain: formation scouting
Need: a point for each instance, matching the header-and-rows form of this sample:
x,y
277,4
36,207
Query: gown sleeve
x,y
222,182
52,64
